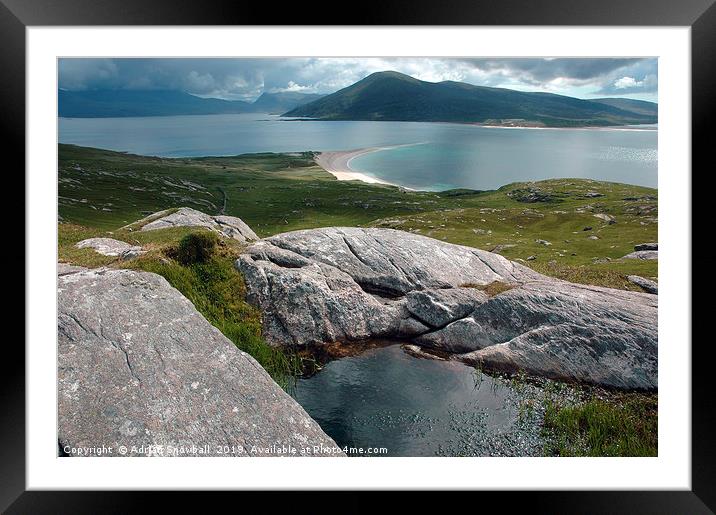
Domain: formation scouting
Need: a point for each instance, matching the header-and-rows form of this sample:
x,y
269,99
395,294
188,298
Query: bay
x,y
433,156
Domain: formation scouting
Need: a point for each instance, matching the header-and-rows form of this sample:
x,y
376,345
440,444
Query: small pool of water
x,y
420,407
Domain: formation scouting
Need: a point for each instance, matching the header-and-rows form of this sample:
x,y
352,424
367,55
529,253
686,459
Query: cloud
x,y
586,77
540,70
247,78
221,78
627,82
292,87
76,73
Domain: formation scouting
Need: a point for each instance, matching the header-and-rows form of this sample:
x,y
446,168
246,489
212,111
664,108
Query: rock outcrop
x,y
349,284
607,218
565,331
228,226
643,254
644,251
646,284
139,367
647,246
111,247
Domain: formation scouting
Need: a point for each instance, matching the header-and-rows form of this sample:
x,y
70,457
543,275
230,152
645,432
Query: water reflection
x,y
417,407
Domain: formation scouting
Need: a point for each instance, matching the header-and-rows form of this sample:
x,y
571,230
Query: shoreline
x,y
634,128
337,163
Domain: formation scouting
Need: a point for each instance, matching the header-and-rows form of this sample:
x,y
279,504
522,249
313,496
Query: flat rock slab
x,y
227,226
643,254
111,247
647,246
349,284
139,367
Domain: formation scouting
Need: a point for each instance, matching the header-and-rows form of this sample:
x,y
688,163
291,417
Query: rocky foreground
x,y
139,367
349,285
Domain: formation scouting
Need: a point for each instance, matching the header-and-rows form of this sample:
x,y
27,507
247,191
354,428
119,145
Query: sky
x,y
248,78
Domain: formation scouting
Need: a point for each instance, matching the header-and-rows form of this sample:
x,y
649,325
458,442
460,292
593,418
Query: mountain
x,y
631,105
277,103
120,103
116,103
393,96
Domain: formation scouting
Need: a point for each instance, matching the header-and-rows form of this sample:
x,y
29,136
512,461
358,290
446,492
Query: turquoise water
x,y
487,158
426,155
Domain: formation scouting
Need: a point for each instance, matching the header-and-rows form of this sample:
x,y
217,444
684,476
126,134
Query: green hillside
x,y
395,96
629,104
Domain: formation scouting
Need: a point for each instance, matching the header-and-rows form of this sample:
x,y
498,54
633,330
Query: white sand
x,y
337,164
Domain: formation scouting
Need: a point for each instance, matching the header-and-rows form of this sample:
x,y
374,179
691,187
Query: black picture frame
x,y
700,15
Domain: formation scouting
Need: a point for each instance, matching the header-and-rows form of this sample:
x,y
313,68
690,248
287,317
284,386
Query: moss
x,y
491,289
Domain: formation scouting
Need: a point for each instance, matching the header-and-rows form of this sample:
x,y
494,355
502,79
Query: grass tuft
x,y
197,247
599,428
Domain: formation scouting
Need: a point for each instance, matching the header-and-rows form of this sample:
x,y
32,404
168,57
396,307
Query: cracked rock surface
x,y
228,226
350,284
139,366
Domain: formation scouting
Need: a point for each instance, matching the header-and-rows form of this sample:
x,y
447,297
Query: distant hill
x,y
115,103
628,104
395,96
121,103
277,103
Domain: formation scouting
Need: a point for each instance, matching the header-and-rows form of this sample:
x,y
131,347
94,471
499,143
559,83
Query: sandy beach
x,y
337,164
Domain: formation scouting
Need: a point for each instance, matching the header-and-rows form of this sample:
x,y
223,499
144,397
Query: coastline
x,y
634,128
337,164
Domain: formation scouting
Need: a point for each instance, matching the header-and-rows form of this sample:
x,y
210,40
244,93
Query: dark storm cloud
x,y
244,78
224,78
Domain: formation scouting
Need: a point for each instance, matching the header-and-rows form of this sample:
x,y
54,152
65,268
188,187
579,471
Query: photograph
x,y
424,244
358,257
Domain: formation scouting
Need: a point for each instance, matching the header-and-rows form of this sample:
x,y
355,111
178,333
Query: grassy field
x,y
276,193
